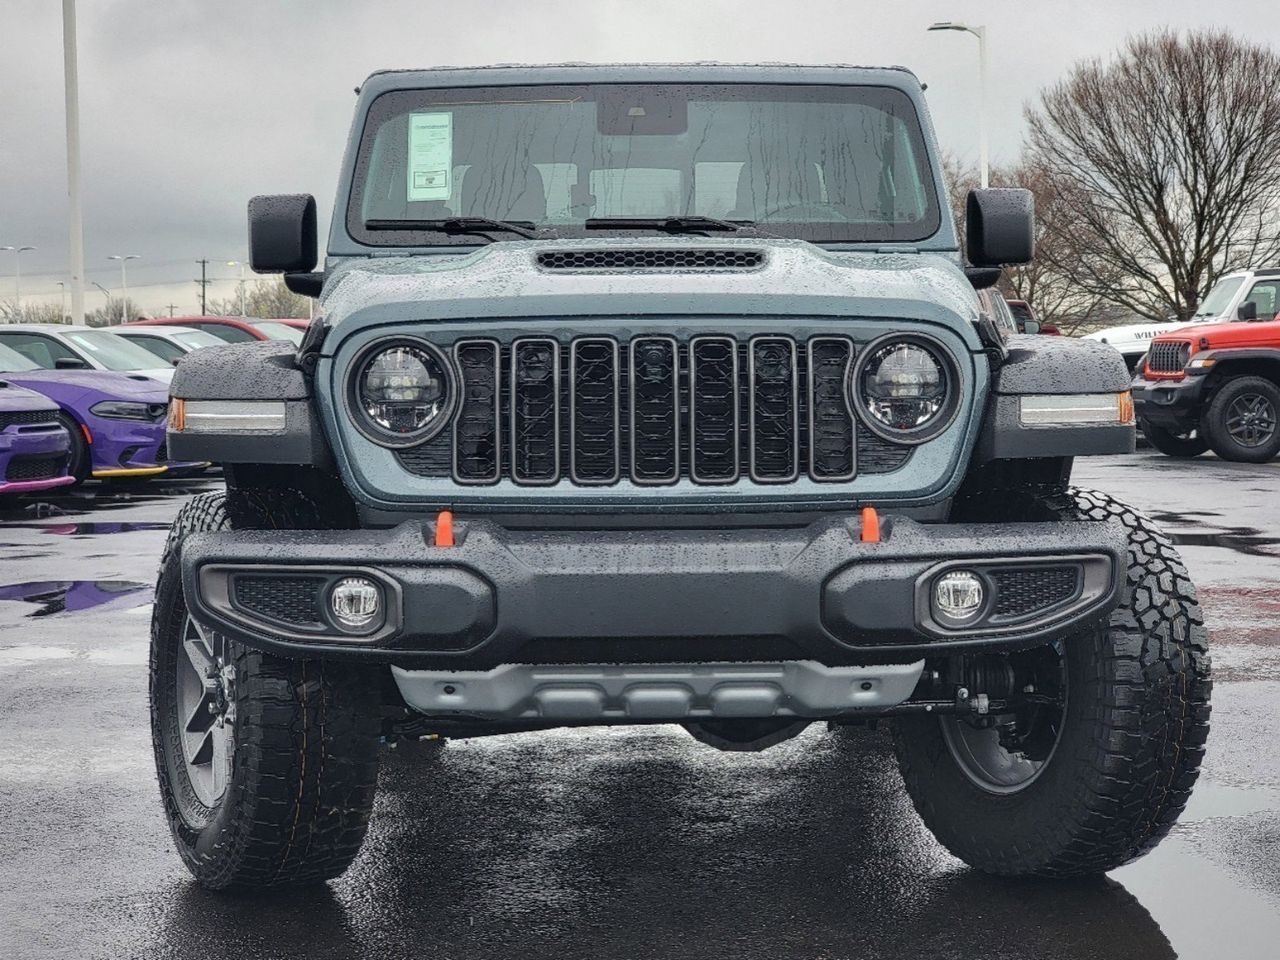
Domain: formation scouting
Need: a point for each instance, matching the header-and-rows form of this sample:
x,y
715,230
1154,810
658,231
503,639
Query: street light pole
x,y
17,275
984,158
124,284
62,301
71,84
240,264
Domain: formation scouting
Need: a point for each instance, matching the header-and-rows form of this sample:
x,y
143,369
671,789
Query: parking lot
x,y
627,842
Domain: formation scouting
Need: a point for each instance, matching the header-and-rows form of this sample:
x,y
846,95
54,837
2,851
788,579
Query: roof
x,y
510,74
49,327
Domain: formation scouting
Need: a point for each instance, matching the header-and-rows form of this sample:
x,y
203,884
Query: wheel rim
x,y
1251,420
1011,754
206,709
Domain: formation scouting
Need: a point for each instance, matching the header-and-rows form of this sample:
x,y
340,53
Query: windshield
x,y
821,163
279,331
11,361
195,339
1219,298
114,353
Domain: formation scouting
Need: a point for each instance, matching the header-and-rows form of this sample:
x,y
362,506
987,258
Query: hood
x,y
14,399
506,279
1233,334
65,385
1137,334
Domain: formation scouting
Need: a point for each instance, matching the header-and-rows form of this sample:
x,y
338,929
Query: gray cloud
x,y
188,108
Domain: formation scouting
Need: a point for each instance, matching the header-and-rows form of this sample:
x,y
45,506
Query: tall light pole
x,y
62,301
124,284
17,275
240,264
71,84
981,34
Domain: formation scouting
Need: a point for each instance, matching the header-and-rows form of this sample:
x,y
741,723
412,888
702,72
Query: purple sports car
x,y
33,443
116,421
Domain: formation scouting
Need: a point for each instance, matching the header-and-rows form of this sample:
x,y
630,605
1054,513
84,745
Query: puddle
x,y
1250,541
72,596
94,529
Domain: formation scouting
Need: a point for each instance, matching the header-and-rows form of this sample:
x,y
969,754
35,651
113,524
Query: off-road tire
x,y
1214,422
1137,717
297,805
1172,445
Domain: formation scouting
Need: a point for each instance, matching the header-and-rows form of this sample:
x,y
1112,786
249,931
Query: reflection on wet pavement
x,y
73,596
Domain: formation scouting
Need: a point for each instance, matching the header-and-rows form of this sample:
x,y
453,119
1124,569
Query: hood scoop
x,y
656,259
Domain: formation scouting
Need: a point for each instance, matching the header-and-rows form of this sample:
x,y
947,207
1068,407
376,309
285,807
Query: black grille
x,y
1168,356
594,454
290,600
1023,591
832,450
535,411
651,259
774,431
34,468
476,440
27,418
654,410
162,452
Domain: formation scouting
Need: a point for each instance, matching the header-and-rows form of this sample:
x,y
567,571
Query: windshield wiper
x,y
672,224
457,225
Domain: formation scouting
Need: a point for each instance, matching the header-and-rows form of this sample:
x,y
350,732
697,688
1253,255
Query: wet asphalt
x,y
607,842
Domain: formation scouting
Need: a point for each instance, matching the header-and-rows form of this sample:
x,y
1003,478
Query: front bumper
x,y
130,448
1172,404
47,445
817,593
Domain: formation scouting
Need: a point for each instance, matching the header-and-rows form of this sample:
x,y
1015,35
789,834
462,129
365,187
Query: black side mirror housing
x,y
1247,311
1000,226
69,363
282,233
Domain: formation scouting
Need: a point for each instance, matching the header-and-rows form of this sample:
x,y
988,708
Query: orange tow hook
x,y
870,525
444,529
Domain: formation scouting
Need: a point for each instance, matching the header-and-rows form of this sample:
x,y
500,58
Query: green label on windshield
x,y
430,155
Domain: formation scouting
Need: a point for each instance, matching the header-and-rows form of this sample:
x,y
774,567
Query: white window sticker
x,y
430,155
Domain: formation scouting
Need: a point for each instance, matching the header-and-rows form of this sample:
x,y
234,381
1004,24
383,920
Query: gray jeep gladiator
x,y
662,394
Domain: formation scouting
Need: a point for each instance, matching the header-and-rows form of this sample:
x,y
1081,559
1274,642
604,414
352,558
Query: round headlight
x,y
905,389
402,393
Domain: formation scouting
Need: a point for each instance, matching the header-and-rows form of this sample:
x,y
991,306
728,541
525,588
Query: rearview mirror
x,y
1247,311
282,233
69,363
1000,226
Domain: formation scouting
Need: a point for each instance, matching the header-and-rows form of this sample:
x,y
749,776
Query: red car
x,y
235,329
1024,315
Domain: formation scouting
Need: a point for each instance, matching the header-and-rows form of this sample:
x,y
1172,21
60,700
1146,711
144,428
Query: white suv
x,y
1246,295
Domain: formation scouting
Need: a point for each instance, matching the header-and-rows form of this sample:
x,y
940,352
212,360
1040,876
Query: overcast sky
x,y
189,107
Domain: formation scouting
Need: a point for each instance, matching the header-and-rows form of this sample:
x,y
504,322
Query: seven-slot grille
x,y
594,411
1168,356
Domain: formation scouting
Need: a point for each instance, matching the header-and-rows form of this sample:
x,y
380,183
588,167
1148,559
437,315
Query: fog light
x,y
958,596
355,601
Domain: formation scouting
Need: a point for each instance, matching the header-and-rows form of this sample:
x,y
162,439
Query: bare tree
x,y
1163,162
264,299
32,312
109,315
1047,282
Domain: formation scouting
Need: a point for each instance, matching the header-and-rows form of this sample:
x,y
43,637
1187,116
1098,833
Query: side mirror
x,y
1030,326
282,233
1247,311
69,363
1000,227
